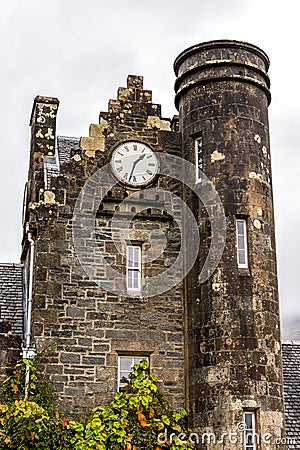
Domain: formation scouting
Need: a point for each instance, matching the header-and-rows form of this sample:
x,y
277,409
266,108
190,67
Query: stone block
x,y
91,360
70,358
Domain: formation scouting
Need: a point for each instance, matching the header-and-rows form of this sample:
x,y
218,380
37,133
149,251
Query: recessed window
x,y
249,425
198,158
125,366
241,243
133,268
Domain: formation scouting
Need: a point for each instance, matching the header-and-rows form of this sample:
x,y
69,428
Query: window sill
x,y
244,273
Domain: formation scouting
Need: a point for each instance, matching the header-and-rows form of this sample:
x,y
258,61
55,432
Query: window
x,y
249,433
198,159
125,365
133,268
241,239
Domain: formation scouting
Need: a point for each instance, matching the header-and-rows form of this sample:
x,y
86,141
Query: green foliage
x,y
26,425
132,421
40,387
35,423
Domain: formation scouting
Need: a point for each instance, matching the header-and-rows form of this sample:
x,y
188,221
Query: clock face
x,y
134,163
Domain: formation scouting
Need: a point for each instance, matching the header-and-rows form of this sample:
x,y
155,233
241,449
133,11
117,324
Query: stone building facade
x,y
104,227
94,327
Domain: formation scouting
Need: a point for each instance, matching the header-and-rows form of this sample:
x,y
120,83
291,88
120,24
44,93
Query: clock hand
x,y
140,158
134,164
131,173
132,170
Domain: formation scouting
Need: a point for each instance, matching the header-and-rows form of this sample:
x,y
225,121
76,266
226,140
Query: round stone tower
x,y
234,369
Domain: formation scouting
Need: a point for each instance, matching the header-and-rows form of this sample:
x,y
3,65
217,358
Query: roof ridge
x,y
291,342
11,265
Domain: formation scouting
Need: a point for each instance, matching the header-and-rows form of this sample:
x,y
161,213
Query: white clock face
x,y
134,163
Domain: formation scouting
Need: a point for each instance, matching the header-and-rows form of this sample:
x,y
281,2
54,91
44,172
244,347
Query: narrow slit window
x,y
198,158
125,366
249,433
241,241
133,268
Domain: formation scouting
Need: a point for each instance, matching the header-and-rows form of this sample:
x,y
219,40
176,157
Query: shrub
x,y
132,421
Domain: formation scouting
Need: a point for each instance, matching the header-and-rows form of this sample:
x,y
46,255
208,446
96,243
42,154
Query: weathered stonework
x,y
10,346
91,327
216,346
233,335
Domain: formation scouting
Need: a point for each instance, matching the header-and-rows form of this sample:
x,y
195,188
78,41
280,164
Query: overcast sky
x,y
81,51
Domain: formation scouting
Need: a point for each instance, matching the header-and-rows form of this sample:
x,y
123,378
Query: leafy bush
x,y
132,421
40,388
26,425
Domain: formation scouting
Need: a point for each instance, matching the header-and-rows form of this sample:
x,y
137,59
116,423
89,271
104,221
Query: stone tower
x,y
97,289
233,341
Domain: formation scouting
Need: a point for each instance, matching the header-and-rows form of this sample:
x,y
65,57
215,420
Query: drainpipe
x,y
28,349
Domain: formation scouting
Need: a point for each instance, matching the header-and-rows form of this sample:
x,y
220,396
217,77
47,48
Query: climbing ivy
x,y
40,388
138,418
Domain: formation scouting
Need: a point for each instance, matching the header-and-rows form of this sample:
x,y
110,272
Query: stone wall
x,y
86,326
10,349
234,344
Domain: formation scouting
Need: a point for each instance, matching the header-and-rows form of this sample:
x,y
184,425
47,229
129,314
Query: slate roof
x,y
64,146
291,379
62,155
11,296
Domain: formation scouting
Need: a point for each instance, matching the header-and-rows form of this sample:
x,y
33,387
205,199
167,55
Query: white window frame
x,y
133,266
249,431
198,145
244,248
135,359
